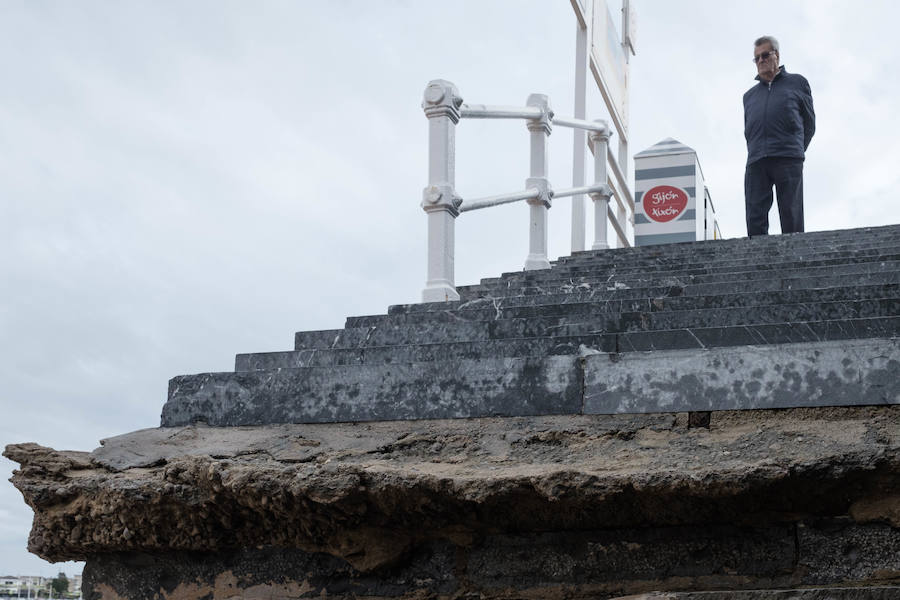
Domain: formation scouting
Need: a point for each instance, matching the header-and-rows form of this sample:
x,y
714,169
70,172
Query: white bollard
x,y
538,227
599,142
441,103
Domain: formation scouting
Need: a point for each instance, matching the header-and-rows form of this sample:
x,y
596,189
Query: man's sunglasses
x,y
763,56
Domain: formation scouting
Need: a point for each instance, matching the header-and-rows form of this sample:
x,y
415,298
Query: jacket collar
x,y
781,71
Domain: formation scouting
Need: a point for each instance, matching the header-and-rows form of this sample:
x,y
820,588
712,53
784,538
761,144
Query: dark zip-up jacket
x,y
779,119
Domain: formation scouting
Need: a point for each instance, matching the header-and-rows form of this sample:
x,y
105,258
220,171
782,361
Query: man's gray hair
x,y
767,39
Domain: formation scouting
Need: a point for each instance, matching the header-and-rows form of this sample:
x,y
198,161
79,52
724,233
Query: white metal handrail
x,y
481,111
620,179
581,124
577,191
616,223
444,108
529,194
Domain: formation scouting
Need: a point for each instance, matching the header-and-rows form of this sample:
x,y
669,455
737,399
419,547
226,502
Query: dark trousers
x,y
786,175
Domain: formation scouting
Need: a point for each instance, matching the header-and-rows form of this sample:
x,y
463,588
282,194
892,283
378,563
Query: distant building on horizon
x,y
16,585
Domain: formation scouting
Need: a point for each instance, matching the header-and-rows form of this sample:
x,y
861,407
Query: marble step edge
x,y
761,269
523,278
787,271
778,241
622,291
665,339
885,262
696,254
659,303
802,245
611,323
772,313
606,293
717,290
843,373
829,373
711,251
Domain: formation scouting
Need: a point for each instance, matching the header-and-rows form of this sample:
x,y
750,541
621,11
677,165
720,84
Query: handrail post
x,y
599,141
539,130
622,218
441,102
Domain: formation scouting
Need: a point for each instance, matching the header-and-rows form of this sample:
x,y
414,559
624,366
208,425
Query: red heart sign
x,y
664,203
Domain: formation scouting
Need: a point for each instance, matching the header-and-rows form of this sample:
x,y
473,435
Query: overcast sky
x,y
183,181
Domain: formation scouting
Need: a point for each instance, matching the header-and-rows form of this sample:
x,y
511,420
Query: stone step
x,y
785,244
772,266
692,337
832,373
469,350
711,272
717,250
458,330
773,313
668,289
622,291
758,334
694,265
550,277
430,390
490,312
829,373
323,338
681,319
711,252
330,338
714,285
676,278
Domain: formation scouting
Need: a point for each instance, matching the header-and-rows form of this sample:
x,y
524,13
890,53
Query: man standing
x,y
779,123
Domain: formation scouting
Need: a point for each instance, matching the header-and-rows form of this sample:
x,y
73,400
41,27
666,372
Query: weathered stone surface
x,y
636,268
579,307
845,373
431,390
634,341
647,314
818,373
543,507
412,353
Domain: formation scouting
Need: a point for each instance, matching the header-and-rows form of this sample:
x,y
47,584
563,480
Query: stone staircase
x,y
782,321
